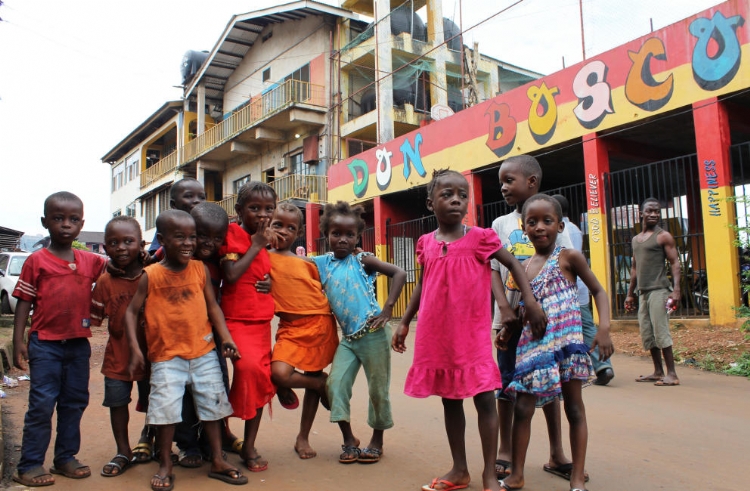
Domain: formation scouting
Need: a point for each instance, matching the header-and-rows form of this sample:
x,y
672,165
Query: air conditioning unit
x,y
282,164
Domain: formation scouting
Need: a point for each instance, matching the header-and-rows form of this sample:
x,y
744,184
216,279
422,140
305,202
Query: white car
x,y
10,269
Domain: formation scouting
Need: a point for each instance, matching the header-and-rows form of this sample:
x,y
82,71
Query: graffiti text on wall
x,y
411,158
714,201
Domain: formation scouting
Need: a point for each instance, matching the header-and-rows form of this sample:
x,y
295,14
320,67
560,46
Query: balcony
x,y
295,186
272,102
158,170
228,204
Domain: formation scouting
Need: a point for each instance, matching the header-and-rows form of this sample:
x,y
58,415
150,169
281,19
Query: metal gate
x,y
675,183
402,242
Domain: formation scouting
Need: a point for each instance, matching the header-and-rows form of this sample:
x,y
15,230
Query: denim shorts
x,y
168,381
116,392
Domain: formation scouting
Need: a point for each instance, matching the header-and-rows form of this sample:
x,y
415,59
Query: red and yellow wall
x,y
685,65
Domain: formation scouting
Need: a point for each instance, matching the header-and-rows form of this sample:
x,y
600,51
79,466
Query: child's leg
x,y
553,416
309,409
45,370
220,468
186,433
374,351
524,408
73,400
506,361
164,477
144,449
340,381
488,422
117,398
455,428
575,411
284,375
250,455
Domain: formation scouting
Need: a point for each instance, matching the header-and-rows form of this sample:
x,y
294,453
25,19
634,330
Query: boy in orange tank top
x,y
180,313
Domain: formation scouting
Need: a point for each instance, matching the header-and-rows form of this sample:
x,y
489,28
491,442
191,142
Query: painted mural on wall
x,y
693,60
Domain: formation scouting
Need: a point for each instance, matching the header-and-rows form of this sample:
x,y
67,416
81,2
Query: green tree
x,y
79,245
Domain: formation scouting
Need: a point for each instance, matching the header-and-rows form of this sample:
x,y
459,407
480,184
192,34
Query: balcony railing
x,y
273,101
159,169
228,204
310,188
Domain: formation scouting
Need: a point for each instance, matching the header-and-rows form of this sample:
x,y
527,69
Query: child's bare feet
x,y
650,378
303,449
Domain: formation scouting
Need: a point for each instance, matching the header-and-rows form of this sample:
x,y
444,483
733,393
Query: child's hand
x,y
260,237
399,337
502,338
508,316
381,319
534,315
137,362
630,304
20,354
273,237
604,342
264,285
114,270
229,350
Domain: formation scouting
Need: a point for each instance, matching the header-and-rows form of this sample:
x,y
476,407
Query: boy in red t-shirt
x,y
181,317
56,283
111,297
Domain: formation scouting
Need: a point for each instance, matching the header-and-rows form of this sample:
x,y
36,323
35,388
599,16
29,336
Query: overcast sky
x,y
77,77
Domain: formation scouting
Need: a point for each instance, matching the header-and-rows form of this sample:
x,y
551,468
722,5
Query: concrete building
x,y
665,115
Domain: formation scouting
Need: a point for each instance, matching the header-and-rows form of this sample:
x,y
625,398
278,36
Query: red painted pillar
x,y
312,227
596,164
472,218
712,141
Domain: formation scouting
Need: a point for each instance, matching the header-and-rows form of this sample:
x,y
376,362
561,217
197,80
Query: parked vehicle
x,y
10,269
699,287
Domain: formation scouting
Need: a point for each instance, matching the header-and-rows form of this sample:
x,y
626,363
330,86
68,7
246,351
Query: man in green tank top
x,y
648,274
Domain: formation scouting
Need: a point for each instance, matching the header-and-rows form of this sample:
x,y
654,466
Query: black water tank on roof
x,y
191,63
450,29
404,20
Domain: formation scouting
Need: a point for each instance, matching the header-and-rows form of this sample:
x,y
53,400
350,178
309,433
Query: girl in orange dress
x,y
306,338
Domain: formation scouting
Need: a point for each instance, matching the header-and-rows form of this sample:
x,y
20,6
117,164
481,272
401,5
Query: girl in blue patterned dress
x,y
555,361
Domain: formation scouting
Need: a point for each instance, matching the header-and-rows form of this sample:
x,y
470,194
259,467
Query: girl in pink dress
x,y
453,356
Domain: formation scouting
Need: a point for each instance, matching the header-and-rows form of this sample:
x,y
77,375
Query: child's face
x,y
287,227
190,194
122,241
515,186
210,236
450,199
257,207
342,235
542,224
178,240
64,220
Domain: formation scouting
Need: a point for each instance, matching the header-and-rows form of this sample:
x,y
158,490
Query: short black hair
x,y
123,219
563,203
168,217
650,200
254,187
436,175
288,207
208,212
542,197
529,166
177,186
341,208
61,196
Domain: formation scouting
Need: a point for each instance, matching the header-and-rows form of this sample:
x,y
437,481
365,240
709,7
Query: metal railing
x,y
159,169
273,101
310,188
228,204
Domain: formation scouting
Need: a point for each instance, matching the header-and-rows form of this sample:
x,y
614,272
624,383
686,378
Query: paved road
x,y
642,437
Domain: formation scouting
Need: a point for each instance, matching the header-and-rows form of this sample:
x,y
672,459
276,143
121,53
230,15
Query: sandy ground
x,y
695,436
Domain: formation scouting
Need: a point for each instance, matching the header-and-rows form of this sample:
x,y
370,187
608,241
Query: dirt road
x,y
691,437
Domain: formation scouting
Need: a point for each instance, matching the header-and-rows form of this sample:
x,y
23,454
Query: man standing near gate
x,y
603,369
651,248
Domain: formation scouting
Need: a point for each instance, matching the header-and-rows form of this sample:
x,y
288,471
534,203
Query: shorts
x,y
169,380
116,392
653,319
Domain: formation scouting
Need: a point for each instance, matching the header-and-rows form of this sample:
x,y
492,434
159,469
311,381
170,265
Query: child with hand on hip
x,y
452,356
555,360
306,338
348,282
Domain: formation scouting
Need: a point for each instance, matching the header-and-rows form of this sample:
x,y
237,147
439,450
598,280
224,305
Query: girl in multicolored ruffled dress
x,y
557,361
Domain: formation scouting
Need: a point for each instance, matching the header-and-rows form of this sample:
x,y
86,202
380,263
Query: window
x,y
300,91
266,74
164,200
118,174
130,210
117,213
239,182
149,205
132,167
296,165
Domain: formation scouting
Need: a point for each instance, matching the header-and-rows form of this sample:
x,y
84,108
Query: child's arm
x,y
216,316
398,278
20,349
137,360
264,285
399,335
233,270
580,268
534,314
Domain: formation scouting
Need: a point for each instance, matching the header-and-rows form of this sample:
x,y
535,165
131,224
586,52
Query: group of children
x,y
167,327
